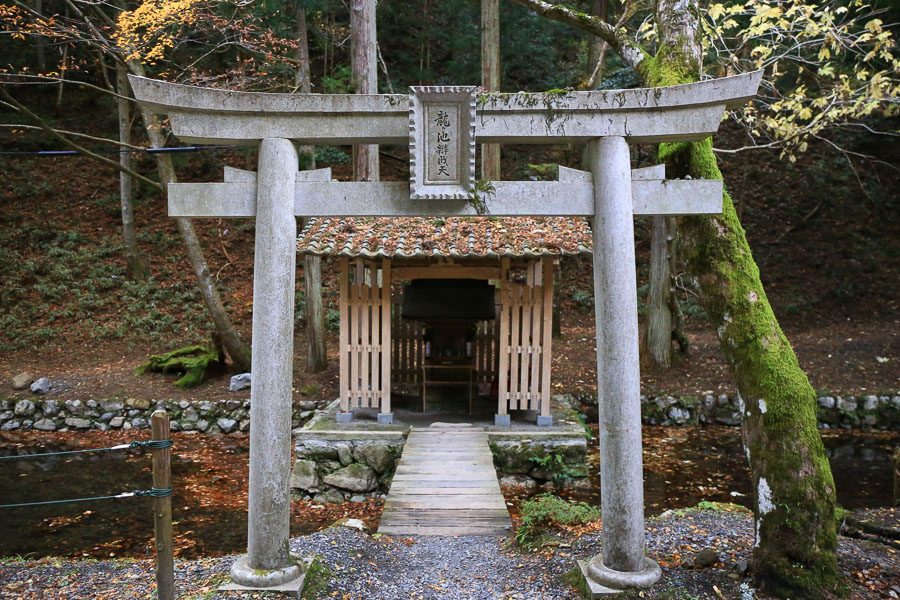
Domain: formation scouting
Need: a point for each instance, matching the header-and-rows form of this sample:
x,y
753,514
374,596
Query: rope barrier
x,y
49,153
162,503
153,444
151,493
154,492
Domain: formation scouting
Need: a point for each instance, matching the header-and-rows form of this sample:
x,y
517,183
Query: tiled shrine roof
x,y
456,237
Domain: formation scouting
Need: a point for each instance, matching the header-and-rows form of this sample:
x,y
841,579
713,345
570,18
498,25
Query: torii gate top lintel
x,y
647,115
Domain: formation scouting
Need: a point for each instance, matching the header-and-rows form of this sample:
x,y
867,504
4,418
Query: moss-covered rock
x,y
304,476
355,477
309,389
194,362
556,460
379,456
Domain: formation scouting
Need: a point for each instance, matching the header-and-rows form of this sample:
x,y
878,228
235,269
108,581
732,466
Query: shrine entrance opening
x,y
441,125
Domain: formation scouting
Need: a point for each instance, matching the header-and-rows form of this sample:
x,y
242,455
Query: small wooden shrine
x,y
461,302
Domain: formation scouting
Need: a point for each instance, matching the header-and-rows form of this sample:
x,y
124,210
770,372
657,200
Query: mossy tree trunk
x,y
794,554
490,78
657,342
316,357
134,266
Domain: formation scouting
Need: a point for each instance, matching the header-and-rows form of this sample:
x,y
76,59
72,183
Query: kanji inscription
x,y
442,142
442,151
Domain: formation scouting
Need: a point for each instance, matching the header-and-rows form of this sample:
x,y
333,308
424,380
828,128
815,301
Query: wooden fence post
x,y
162,509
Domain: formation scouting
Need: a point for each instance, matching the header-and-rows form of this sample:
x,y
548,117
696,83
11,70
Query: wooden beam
x,y
386,279
343,345
448,272
510,198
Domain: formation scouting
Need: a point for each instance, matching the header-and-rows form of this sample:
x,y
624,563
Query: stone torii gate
x,y
441,125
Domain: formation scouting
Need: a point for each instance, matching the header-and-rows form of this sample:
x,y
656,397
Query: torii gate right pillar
x,y
622,563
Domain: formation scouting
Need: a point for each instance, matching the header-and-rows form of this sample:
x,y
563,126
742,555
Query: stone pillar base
x,y
602,580
289,578
344,417
544,421
385,418
501,421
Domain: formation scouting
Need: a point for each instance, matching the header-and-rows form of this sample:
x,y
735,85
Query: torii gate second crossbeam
x,y
441,125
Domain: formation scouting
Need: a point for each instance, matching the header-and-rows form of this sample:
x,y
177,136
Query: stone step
x,y
435,530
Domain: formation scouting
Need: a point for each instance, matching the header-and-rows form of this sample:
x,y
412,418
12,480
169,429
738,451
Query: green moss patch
x,y
194,362
547,511
318,576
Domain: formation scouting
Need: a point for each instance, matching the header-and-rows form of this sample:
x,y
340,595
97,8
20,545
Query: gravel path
x,y
392,568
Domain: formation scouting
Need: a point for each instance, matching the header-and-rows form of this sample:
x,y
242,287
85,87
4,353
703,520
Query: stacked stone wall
x,y
45,414
834,412
550,464
227,416
329,470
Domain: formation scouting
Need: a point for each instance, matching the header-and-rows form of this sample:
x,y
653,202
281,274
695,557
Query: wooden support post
x,y
547,335
534,334
385,337
516,293
343,346
502,416
162,509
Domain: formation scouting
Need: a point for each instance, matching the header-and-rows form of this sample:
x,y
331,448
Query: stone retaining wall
x,y
334,466
223,416
226,416
845,412
538,461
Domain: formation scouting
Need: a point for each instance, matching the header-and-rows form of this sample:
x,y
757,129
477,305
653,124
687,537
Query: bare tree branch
x,y
617,38
74,146
73,134
48,80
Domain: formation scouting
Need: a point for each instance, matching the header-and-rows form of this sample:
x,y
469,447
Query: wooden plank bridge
x,y
445,484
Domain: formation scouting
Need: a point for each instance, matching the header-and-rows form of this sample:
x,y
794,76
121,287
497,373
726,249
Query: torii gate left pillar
x,y
268,561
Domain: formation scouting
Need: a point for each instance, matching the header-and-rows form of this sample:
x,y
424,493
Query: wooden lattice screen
x,y
365,366
525,339
408,347
486,348
379,348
